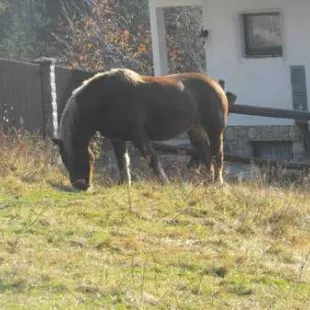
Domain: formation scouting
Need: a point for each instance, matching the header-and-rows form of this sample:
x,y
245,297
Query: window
x,y
282,150
262,34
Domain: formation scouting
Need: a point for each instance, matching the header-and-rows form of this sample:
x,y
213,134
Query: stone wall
x,y
238,138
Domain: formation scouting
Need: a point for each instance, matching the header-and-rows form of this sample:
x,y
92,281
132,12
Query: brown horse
x,y
126,106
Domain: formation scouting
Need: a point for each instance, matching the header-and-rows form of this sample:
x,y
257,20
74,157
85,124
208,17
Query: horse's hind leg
x,y
201,145
217,147
123,161
147,151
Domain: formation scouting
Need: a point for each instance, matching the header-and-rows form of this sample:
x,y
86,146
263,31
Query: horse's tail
x,y
231,97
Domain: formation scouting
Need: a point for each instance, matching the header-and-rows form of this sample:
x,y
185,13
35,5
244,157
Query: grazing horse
x,y
126,106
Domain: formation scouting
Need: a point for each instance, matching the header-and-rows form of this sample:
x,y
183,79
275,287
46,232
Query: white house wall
x,y
260,81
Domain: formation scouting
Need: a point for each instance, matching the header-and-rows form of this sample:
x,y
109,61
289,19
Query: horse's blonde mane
x,y
126,75
123,74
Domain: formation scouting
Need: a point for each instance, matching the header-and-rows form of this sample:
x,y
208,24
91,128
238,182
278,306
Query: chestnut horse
x,y
126,106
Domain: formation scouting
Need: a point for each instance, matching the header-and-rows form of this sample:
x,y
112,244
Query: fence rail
x,y
269,112
301,118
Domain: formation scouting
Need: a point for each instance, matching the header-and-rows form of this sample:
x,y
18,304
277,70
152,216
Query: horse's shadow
x,y
62,187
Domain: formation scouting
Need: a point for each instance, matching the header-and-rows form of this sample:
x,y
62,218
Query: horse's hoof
x,y
81,185
165,181
220,182
90,189
122,182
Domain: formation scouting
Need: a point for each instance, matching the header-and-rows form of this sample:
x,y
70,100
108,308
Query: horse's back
x,y
165,107
202,83
210,96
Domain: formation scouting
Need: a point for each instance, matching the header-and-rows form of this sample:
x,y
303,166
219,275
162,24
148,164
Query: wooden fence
x,y
301,120
301,116
20,95
26,93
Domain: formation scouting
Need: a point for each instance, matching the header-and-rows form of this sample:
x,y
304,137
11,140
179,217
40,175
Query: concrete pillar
x,y
159,45
49,98
204,25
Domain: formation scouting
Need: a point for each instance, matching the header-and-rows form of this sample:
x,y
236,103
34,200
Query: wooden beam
x,y
269,112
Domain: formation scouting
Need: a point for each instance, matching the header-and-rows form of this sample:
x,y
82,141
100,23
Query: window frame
x,y
271,52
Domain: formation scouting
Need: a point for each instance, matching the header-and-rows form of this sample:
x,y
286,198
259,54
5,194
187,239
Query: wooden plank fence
x,y
20,95
26,93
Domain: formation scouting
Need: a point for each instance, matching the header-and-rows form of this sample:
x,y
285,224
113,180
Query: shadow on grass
x,y
63,188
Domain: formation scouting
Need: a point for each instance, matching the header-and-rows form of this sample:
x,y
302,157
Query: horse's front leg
x,y
123,161
147,151
155,164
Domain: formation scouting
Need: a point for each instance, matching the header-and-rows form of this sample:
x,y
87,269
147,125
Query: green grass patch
x,y
182,246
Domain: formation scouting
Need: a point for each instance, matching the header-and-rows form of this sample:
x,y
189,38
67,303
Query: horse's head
x,y
79,162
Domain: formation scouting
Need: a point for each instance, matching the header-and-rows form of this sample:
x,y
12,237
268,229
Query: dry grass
x,y
182,246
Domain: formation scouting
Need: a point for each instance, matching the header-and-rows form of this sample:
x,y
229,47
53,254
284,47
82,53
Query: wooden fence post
x,y
48,93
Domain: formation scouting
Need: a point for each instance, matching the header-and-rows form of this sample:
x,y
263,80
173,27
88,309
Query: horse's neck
x,y
82,136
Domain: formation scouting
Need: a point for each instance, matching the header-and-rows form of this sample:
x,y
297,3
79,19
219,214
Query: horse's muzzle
x,y
81,185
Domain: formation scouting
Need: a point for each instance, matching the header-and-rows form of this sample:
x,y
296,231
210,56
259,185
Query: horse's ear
x,y
231,98
57,141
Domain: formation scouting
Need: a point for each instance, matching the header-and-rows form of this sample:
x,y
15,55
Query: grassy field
x,y
182,246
